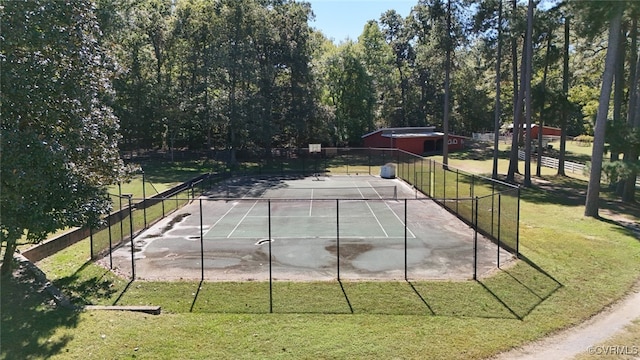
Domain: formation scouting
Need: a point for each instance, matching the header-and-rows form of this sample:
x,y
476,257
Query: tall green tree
x,y
614,12
351,93
59,136
378,58
398,36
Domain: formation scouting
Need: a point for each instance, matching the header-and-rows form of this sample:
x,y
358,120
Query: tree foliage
x,y
59,136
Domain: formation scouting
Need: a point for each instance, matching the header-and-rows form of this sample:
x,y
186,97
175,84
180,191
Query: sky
x,y
342,19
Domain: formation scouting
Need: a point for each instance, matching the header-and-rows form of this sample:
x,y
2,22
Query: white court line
x,y
241,220
402,222
394,213
374,215
374,189
216,223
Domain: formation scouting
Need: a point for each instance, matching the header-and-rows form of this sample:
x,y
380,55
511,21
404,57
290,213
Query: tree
x,y
633,117
350,89
59,136
378,57
593,190
498,105
398,37
565,95
448,44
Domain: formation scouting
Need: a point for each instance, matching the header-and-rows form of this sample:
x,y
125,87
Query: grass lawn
x,y
572,267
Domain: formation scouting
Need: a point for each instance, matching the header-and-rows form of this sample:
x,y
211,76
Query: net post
x,y
395,192
270,262
201,245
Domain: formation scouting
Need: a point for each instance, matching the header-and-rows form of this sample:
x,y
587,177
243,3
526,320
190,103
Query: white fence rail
x,y
568,165
553,163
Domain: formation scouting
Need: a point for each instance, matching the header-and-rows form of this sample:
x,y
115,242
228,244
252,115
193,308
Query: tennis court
x,y
309,228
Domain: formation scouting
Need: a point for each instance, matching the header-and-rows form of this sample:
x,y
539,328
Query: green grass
x,y
572,267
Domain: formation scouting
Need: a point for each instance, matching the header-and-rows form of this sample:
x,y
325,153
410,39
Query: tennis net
x,y
389,192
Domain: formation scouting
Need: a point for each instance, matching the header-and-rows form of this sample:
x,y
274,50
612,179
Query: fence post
x,y
91,242
133,264
347,160
518,227
475,241
493,203
338,237
444,183
120,213
201,245
499,217
457,189
110,242
270,264
431,183
144,201
405,241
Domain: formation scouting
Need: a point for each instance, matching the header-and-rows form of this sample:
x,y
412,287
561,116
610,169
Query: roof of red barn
x,y
406,132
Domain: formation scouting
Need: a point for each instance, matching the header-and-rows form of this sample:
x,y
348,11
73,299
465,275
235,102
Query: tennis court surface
x,y
309,228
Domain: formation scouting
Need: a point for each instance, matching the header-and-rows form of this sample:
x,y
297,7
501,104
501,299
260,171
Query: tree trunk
x,y
517,105
498,110
7,259
527,85
565,100
544,90
633,114
618,92
517,121
447,71
593,190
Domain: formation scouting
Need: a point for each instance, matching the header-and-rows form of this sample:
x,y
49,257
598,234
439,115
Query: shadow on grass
x,y
567,191
421,298
346,297
88,285
511,293
195,297
29,320
521,289
558,190
478,153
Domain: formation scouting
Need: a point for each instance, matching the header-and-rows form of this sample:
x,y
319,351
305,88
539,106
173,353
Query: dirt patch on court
x,y
349,251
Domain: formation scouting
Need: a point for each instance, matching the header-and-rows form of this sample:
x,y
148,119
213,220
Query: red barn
x,y
546,130
416,140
